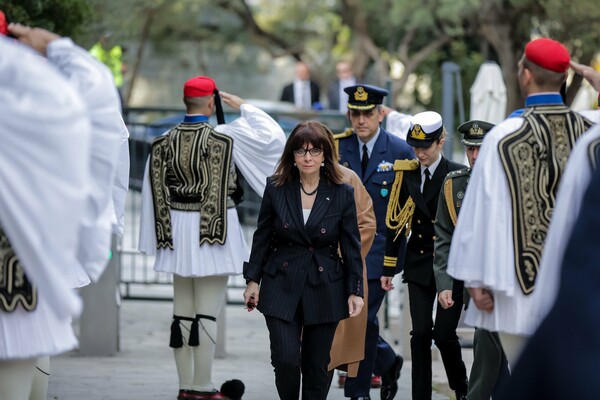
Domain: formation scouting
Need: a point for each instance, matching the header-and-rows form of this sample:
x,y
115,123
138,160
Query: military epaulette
x,y
458,173
347,133
339,136
405,165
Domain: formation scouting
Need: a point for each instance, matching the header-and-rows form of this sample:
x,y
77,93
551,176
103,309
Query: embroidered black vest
x,y
15,288
534,158
191,170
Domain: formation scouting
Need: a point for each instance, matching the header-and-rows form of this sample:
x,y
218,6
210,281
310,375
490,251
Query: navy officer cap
x,y
364,97
473,132
425,128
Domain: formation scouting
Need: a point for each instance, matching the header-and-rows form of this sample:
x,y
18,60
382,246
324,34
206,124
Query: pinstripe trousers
x,y
299,350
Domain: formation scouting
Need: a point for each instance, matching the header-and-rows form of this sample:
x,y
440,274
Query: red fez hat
x,y
548,54
3,24
199,86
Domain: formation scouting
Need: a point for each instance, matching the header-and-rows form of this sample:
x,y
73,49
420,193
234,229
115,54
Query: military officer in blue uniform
x,y
370,151
412,208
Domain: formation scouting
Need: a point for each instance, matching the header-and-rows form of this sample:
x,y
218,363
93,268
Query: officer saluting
x,y
489,361
369,150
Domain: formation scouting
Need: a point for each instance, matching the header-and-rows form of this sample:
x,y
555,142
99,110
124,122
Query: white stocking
x,y
183,306
209,297
41,375
16,378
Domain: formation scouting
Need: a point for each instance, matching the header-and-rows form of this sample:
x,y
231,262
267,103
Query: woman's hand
x,y
251,296
355,304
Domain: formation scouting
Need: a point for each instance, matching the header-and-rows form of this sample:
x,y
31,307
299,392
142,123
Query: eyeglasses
x,y
314,152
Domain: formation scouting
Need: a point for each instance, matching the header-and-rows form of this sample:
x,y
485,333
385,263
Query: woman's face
x,y
308,159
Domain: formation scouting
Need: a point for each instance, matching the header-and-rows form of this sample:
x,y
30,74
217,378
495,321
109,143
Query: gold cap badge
x,y
417,132
361,94
476,130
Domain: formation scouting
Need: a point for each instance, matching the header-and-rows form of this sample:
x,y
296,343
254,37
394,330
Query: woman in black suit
x,y
307,220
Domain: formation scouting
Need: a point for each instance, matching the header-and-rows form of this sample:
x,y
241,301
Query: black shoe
x,y
389,380
360,398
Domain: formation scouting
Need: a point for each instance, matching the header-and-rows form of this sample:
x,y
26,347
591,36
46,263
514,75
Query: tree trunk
x,y
140,52
501,38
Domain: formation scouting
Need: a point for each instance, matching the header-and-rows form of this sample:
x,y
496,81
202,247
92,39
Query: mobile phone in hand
x,y
251,304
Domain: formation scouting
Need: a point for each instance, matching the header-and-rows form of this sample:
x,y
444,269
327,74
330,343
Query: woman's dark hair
x,y
318,135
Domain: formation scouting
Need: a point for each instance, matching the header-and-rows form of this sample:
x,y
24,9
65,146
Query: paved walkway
x,y
145,369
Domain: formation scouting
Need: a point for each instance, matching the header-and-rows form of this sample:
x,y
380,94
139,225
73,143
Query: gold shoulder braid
x,y
534,158
449,197
399,216
454,188
338,136
594,153
15,288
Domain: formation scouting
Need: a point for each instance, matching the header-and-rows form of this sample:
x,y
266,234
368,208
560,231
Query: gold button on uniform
x,y
420,236
421,251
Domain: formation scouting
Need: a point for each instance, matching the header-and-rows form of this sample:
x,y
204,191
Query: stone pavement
x,y
145,369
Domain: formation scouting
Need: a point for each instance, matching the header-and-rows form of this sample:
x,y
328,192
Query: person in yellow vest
x,y
112,57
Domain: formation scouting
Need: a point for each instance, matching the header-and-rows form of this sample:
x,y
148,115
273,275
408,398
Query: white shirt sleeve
x,y
95,84
45,158
398,124
258,143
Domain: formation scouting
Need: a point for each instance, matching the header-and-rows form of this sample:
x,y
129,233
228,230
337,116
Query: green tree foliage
x,y
65,17
377,35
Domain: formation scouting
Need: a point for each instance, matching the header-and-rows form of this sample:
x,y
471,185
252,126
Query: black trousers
x,y
299,350
490,367
443,332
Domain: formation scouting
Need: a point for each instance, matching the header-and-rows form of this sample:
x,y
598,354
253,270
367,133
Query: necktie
x,y
365,158
427,179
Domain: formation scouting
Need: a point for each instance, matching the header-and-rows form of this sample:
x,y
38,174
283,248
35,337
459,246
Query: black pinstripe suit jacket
x,y
298,265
